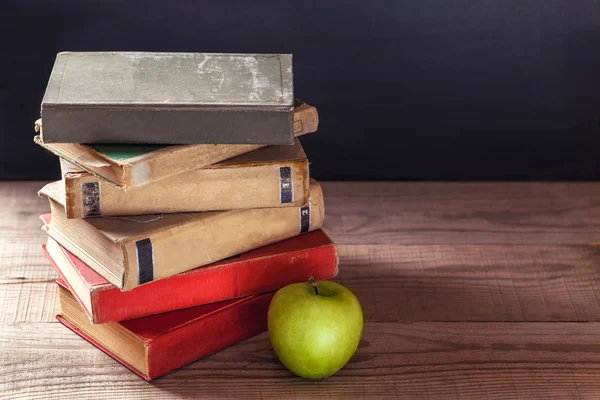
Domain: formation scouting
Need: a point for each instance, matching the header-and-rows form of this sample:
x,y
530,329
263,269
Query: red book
x,y
257,271
154,345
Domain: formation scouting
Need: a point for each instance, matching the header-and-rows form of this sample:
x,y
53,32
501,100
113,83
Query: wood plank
x,y
462,213
27,291
406,283
409,283
414,213
20,233
411,252
473,282
29,302
440,283
18,215
403,360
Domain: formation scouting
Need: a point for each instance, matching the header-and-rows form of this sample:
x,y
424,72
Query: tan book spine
x,y
200,242
306,119
279,184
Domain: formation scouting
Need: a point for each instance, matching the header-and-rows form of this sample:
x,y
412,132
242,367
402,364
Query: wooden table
x,y
469,291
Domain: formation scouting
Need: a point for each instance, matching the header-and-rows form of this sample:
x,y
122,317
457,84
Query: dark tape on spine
x,y
145,261
305,218
90,192
286,189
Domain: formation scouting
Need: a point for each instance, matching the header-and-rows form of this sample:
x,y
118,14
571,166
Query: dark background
x,y
413,89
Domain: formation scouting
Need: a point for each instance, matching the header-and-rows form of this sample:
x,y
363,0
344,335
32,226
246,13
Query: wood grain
x,y
468,290
462,213
26,279
403,360
473,282
410,283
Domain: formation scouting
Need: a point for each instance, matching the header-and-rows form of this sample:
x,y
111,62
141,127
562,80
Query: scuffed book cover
x,y
132,166
274,176
135,250
169,98
258,271
161,343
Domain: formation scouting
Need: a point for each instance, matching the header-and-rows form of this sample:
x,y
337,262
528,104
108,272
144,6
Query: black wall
x,y
414,89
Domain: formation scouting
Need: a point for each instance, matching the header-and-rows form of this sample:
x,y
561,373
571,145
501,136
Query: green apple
x,y
315,327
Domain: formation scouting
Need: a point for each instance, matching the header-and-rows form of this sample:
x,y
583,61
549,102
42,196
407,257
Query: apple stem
x,y
313,283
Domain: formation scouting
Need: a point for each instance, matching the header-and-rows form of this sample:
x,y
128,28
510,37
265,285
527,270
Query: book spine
x,y
232,280
169,125
261,186
306,120
216,237
208,335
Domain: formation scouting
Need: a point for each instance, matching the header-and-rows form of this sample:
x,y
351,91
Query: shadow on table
x,y
473,282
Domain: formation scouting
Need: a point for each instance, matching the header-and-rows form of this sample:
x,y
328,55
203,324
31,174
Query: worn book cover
x,y
131,166
154,345
135,250
274,176
257,271
169,98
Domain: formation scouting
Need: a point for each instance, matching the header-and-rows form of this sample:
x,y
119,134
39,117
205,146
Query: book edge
x,y
98,345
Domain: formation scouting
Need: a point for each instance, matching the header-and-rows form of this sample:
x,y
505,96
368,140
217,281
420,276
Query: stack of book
x,y
185,200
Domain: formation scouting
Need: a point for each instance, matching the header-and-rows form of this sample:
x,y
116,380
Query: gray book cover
x,y
169,98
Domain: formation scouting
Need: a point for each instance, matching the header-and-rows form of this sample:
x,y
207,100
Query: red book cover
x,y
262,270
171,340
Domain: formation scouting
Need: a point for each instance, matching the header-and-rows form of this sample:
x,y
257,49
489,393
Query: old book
x,y
134,250
154,345
172,98
274,176
129,166
257,271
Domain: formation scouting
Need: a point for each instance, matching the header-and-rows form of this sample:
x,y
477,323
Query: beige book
x,y
274,176
131,166
130,251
